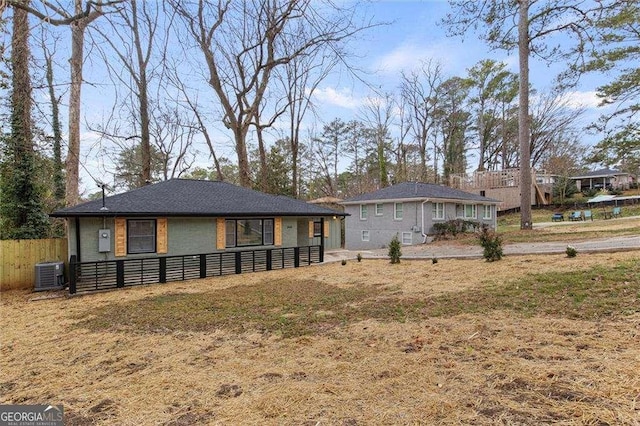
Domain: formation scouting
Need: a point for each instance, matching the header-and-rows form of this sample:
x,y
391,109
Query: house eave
x,y
109,213
421,200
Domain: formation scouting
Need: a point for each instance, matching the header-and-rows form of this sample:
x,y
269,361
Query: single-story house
x,y
188,217
410,210
603,179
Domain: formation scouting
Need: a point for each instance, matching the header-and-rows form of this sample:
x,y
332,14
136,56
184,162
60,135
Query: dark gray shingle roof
x,y
186,197
418,190
600,173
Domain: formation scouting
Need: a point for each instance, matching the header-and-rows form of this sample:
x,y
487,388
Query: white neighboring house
x,y
410,210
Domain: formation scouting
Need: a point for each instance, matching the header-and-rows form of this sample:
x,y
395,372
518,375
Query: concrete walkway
x,y
453,250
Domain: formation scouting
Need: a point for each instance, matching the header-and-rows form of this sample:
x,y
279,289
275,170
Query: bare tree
x,y
419,91
132,37
242,43
300,78
554,124
83,14
377,114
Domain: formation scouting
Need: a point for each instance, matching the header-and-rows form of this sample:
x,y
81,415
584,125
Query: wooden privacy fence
x,y
18,259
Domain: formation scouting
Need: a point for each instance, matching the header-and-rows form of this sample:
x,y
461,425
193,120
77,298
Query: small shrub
x,y
590,192
491,242
434,260
395,250
359,257
344,262
451,228
571,251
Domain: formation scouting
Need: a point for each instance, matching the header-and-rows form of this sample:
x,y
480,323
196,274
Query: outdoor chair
x,y
557,217
616,212
577,215
588,215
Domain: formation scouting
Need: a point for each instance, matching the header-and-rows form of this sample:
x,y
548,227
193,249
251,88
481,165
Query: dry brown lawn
x,y
456,342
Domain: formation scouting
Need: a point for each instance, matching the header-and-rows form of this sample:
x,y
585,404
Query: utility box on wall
x,y
104,240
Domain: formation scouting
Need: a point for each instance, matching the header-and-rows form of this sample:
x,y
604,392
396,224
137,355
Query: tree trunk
x,y
58,174
145,137
264,172
244,172
523,117
72,162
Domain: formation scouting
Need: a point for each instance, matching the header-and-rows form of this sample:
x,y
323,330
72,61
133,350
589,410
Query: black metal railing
x,y
109,274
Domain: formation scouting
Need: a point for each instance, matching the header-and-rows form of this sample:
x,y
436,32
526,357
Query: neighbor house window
x,y
486,212
470,211
378,209
407,238
438,211
363,212
317,229
365,235
397,211
466,211
249,232
141,236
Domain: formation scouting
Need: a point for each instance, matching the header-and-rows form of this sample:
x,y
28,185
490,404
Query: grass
x,y
527,340
289,308
293,308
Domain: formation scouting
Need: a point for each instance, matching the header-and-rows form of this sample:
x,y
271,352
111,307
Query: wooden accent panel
x,y
310,229
221,231
277,231
121,236
327,228
161,236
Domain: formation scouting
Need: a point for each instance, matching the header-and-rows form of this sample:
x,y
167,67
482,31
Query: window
x,y
470,211
466,211
407,238
248,232
230,233
438,211
486,212
363,212
378,209
397,211
141,236
267,232
365,235
317,229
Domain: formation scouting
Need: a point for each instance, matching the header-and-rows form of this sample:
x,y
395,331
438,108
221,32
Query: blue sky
x,y
412,35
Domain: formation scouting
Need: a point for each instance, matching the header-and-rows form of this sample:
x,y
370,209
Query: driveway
x,y
454,250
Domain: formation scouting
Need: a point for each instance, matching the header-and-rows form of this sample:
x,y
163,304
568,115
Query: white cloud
x,y
586,99
342,98
407,56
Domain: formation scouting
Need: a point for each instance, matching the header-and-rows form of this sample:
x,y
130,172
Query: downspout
x,y
424,236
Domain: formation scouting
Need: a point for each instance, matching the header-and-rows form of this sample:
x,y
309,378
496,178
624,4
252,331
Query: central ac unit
x,y
49,276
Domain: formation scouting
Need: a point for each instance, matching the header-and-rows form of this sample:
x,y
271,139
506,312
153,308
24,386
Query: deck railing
x,y
110,274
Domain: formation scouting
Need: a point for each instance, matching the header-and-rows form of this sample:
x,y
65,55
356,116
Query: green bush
x,y
359,257
571,251
451,228
344,262
491,242
434,260
590,192
395,250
